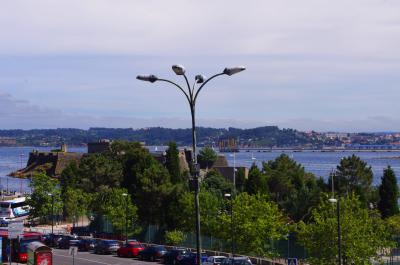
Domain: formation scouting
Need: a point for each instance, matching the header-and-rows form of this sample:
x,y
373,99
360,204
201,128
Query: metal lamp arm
x,y
178,86
188,86
212,77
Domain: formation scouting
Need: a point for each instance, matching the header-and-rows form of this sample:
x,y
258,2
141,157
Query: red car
x,y
130,250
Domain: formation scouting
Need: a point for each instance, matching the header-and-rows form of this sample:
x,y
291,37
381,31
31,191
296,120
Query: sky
x,y
310,65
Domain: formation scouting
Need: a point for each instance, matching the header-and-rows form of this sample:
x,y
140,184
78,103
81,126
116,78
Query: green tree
x,y
393,223
76,203
117,205
257,223
388,193
256,182
153,190
172,163
40,201
174,237
240,180
95,172
363,235
99,171
210,205
295,190
215,183
206,157
354,175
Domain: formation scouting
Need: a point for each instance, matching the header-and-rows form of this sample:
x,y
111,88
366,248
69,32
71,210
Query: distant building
x,y
99,147
228,172
7,141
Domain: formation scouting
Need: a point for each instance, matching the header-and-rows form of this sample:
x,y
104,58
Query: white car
x,y
214,260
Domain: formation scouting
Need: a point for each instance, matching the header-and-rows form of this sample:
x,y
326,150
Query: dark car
x,y
86,244
67,241
174,256
52,240
191,259
131,249
152,253
106,247
237,261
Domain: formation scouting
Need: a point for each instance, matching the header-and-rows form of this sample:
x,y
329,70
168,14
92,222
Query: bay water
x,y
319,163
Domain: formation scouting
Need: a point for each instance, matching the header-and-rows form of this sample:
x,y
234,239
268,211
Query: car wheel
x,y
141,257
152,258
130,255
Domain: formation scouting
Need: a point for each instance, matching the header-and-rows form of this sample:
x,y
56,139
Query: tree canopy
x,y
206,157
388,194
45,198
363,233
294,189
257,223
354,175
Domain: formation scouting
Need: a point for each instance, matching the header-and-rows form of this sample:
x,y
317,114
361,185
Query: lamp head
x,y
332,200
178,69
227,195
148,78
233,70
124,194
200,79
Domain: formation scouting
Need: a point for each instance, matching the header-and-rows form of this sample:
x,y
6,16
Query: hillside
x,y
261,136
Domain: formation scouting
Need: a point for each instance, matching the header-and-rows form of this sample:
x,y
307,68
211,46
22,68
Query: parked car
x,y
3,222
52,240
214,260
67,241
152,253
174,256
237,261
191,258
106,247
131,249
86,244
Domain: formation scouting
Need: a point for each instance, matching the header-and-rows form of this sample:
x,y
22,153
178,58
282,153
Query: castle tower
x,y
64,148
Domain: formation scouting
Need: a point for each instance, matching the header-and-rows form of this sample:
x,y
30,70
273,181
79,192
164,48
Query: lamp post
x,y
126,216
234,171
52,212
337,201
230,197
191,94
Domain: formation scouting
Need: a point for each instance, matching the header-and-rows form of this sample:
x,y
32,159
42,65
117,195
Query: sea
x,y
319,163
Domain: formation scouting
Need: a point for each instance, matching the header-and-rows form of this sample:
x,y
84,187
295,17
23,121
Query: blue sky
x,y
311,65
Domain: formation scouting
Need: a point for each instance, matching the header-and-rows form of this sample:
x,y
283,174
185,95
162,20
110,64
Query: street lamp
x,y
126,216
52,212
191,94
234,172
337,201
230,197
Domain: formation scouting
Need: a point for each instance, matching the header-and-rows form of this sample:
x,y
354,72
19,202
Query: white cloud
x,y
310,63
363,27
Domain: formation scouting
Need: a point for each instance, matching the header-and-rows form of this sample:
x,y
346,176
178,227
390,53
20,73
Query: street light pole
x,y
337,201
230,197
191,95
52,212
126,216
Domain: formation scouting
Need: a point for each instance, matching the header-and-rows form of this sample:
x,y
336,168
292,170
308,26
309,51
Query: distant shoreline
x,y
263,149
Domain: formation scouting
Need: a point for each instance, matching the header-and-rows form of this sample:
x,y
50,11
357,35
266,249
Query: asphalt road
x,y
61,257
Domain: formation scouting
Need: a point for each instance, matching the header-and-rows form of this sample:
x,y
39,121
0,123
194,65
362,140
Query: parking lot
x,y
61,257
